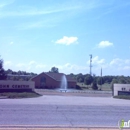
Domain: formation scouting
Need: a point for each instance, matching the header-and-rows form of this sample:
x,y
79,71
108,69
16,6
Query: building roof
x,y
57,76
14,75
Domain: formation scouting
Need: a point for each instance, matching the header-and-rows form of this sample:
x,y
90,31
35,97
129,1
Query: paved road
x,y
70,111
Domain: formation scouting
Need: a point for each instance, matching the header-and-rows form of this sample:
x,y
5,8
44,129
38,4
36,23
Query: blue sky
x,y
36,35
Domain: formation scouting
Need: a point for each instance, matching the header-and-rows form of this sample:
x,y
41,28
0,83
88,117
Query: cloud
x,y
4,3
119,66
40,66
116,66
67,40
34,11
19,65
126,68
32,65
48,23
72,68
56,12
123,63
7,63
104,44
96,61
66,6
116,61
11,43
32,62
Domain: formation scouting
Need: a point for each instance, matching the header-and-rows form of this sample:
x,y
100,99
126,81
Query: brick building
x,y
52,80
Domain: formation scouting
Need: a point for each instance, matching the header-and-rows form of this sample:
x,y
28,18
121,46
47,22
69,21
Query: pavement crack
x,y
67,119
57,108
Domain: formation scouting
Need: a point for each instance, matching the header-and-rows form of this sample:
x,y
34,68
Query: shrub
x,y
94,86
123,97
78,87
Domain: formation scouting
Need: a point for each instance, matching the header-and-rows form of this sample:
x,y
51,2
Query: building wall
x,y
121,87
71,84
50,83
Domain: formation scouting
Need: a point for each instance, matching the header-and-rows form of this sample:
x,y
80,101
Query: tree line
x,y
80,78
19,75
98,80
14,75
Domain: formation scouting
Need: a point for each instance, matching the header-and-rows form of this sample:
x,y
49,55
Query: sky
x,y
36,35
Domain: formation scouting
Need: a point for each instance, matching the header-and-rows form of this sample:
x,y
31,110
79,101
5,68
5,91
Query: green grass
x,y
19,95
123,97
105,87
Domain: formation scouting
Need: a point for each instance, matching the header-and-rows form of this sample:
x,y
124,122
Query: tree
x,y
112,85
9,71
54,70
88,79
72,75
108,79
113,82
80,77
94,84
122,80
80,80
3,75
100,81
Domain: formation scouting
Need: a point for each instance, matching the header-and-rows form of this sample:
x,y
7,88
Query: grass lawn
x,y
123,97
105,87
19,95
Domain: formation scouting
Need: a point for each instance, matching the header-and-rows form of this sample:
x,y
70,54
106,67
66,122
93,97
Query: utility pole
x,y
90,64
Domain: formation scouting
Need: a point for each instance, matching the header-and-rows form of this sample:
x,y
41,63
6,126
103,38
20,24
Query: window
x,y
42,82
123,89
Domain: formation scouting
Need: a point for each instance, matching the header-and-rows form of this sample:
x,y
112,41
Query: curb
x,y
3,97
56,127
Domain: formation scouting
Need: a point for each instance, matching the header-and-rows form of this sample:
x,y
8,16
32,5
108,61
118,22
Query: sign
x,y
123,92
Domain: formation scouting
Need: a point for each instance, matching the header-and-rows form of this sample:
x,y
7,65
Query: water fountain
x,y
63,87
